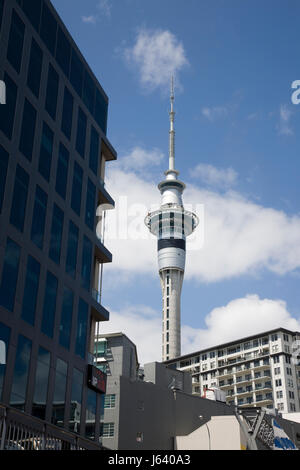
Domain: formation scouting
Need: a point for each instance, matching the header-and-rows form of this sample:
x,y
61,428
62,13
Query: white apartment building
x,y
258,371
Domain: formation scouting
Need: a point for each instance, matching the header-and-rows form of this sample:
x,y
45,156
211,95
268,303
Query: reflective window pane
x,y
48,28
62,171
10,275
66,318
88,94
33,10
63,52
76,401
4,343
35,68
21,370
56,234
7,112
90,416
76,74
46,150
71,261
39,217
59,398
27,130
67,114
19,201
82,323
90,205
15,41
77,188
3,173
94,151
86,265
31,290
81,132
101,108
41,384
52,92
49,307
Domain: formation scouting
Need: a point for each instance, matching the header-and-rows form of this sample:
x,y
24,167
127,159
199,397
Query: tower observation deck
x,y
171,224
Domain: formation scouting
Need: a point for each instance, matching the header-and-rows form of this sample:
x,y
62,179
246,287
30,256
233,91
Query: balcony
x,y
98,311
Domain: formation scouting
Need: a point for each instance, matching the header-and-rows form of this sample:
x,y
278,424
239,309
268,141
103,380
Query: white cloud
x,y
238,319
284,127
213,113
92,19
142,325
157,55
105,7
240,236
139,159
212,176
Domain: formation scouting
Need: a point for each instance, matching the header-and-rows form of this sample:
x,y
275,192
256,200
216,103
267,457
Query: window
x,y
287,359
90,414
27,130
35,68
1,14
276,359
63,52
94,151
15,41
41,384
274,337
39,217
86,265
110,401
59,397
204,357
278,383
212,354
71,260
67,114
286,337
46,152
21,370
10,275
56,234
62,171
52,92
31,290
66,318
291,395
76,74
76,400
88,94
101,111
4,342
279,394
289,371
3,173
81,132
48,28
277,370
82,322
77,188
7,112
49,307
33,11
90,205
107,429
101,348
19,201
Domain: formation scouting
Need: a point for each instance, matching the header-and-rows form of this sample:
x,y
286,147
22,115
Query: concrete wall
x,y
164,415
163,376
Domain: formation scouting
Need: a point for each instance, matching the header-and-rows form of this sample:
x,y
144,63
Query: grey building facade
x,y
53,152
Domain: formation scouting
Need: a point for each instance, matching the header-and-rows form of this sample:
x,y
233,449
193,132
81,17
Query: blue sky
x,y
237,149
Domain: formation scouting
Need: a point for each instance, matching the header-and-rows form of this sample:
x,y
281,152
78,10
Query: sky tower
x,y
171,224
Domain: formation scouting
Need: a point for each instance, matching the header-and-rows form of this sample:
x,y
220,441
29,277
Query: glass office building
x,y
53,151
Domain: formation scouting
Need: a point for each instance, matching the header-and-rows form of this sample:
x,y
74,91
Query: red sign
x,y
96,379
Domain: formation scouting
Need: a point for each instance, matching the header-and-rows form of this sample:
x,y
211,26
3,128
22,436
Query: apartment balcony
x,y
243,393
261,366
99,313
224,373
225,386
261,377
243,381
103,196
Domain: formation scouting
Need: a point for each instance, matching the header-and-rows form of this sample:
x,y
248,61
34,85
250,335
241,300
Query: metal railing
x,y
20,431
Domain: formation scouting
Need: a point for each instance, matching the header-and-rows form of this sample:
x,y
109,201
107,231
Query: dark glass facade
x,y
53,148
